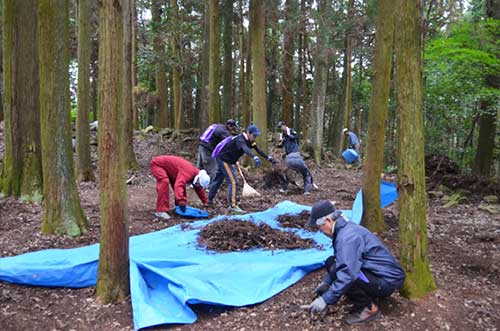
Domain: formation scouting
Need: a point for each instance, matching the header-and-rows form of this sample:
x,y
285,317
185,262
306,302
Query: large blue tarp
x,y
168,270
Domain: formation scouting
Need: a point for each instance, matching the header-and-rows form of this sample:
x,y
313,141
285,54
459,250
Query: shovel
x,y
248,191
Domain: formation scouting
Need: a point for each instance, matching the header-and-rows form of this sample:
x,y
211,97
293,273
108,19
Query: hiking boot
x,y
210,203
236,210
162,214
364,315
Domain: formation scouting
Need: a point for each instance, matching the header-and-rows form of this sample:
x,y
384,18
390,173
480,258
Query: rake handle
x,y
241,172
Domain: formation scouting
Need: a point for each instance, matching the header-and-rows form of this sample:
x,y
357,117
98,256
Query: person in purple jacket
x,y
362,268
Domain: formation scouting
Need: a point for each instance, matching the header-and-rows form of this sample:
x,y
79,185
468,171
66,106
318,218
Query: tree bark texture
x,y
489,110
62,211
411,169
214,114
377,116
84,171
259,110
320,79
204,71
346,102
159,53
113,273
128,105
227,41
177,68
135,113
272,47
247,97
242,74
288,63
22,163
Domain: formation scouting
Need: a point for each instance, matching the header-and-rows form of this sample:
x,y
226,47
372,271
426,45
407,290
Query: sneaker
x,y
162,214
307,193
364,315
236,210
283,191
210,203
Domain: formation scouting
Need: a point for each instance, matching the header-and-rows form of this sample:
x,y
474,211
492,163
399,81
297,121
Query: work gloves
x,y
317,306
257,161
182,208
321,289
270,159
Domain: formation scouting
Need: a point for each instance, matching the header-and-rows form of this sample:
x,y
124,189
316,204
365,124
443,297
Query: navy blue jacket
x,y
289,140
219,134
355,248
352,140
234,149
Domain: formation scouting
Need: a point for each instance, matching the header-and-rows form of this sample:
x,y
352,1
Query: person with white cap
x,y
177,172
362,268
352,140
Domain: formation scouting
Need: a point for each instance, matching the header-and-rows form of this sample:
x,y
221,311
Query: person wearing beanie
x,y
362,268
213,135
227,153
177,172
293,160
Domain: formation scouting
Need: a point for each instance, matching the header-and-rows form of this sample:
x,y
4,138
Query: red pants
x,y
162,183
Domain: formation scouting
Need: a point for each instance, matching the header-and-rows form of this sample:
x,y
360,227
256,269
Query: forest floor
x,y
463,243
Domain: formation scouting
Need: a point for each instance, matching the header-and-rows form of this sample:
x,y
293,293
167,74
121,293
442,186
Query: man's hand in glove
x,y
317,306
321,289
257,161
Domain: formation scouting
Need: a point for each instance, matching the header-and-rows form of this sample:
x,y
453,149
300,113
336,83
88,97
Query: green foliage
x,y
35,197
456,64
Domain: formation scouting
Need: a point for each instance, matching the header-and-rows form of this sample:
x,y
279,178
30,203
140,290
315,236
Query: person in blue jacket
x,y
227,155
293,159
362,268
352,140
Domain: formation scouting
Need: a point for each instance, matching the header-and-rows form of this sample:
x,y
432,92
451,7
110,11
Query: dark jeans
x,y
295,161
224,170
361,293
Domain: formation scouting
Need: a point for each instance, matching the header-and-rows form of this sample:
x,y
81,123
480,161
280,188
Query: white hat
x,y
345,130
203,178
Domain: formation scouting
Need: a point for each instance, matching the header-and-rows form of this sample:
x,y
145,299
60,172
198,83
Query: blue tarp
x,y
168,270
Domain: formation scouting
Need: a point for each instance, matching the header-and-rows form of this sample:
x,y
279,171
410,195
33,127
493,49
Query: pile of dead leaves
x,y
229,235
294,221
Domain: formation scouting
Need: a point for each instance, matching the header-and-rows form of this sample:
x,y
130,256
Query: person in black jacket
x,y
293,159
227,156
213,135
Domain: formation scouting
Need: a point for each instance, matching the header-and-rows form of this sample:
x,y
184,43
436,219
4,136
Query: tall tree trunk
x,y
411,169
320,79
288,63
271,47
84,171
159,54
177,68
227,97
243,51
214,115
22,162
128,106
135,113
377,116
259,110
246,101
489,111
204,71
113,274
346,102
297,123
303,106
62,211
188,83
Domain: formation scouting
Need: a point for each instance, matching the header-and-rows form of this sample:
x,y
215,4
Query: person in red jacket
x,y
177,172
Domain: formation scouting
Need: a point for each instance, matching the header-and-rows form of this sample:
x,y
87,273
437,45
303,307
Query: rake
x,y
248,191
